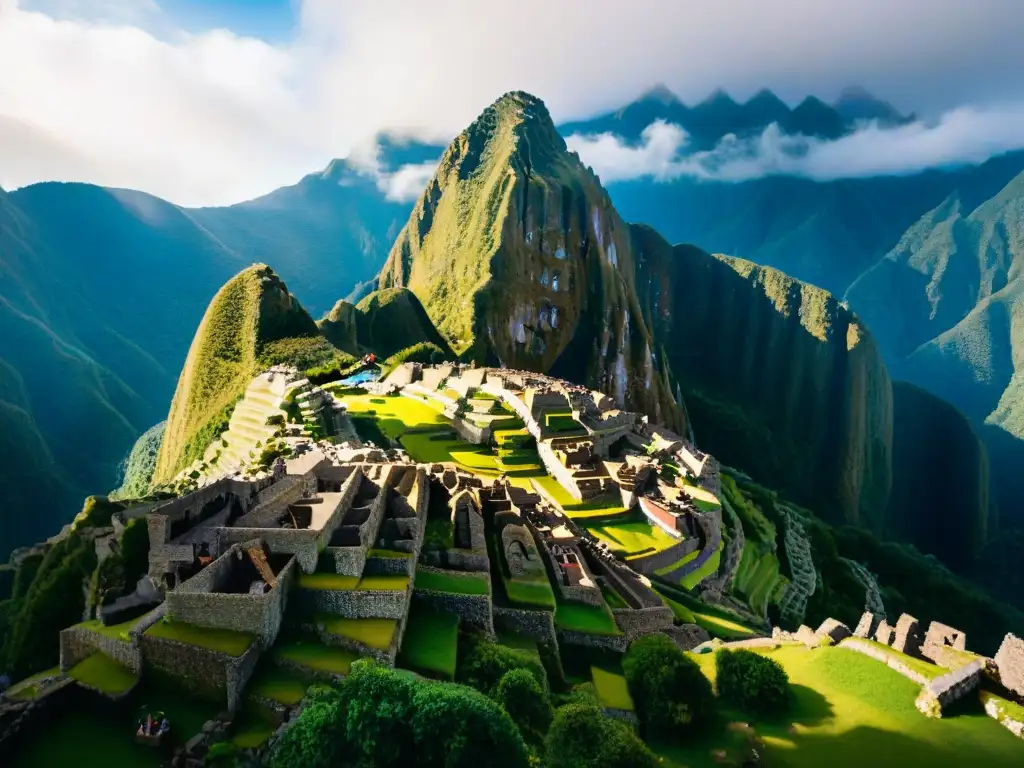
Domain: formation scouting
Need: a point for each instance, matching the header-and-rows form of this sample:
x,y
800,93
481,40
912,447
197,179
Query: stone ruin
x,y
1010,661
885,632
867,626
833,629
940,637
520,551
907,636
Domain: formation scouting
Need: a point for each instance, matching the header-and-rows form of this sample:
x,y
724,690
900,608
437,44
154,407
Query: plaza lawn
x,y
578,617
280,685
338,582
221,640
691,580
611,688
678,563
445,446
430,643
315,656
851,711
103,673
372,633
452,582
531,593
395,415
633,537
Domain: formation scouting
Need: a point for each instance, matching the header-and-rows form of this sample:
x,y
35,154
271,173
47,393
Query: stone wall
x,y
260,615
857,645
202,671
687,636
557,470
938,638
996,708
388,566
833,629
347,561
355,604
615,643
644,621
907,636
77,643
648,564
1010,661
868,625
939,694
540,625
473,610
470,432
884,634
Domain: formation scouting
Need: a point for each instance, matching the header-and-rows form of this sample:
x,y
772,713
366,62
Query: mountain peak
x,y
855,93
717,97
858,104
659,92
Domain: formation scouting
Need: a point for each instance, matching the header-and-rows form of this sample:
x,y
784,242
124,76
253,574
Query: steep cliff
x,y
519,257
251,324
778,376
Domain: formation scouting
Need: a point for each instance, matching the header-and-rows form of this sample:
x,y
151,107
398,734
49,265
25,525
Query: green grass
x,y
633,537
316,656
611,688
678,563
453,582
681,613
756,577
430,644
395,415
925,668
391,554
28,688
603,507
535,593
115,631
693,579
850,711
704,500
613,598
561,422
578,617
103,673
518,641
373,633
221,640
280,685
339,582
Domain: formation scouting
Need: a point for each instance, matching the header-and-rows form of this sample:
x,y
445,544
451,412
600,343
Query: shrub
x,y
484,664
457,727
316,737
378,711
526,703
669,691
582,737
754,683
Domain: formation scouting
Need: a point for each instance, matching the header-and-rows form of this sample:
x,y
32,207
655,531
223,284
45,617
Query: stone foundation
x,y
939,694
473,610
868,625
645,621
355,604
856,645
1010,661
907,636
995,708
202,671
540,625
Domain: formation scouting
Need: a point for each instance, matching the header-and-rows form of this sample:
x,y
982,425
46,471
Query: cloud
x,y
216,117
407,183
961,137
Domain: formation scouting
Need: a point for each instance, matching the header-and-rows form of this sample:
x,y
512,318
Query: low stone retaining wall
x,y
853,644
540,625
470,432
388,566
943,691
473,610
644,621
996,709
348,561
650,563
77,644
355,604
202,671
688,636
615,643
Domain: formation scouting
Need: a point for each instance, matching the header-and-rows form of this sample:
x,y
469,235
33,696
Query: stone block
x,y
1010,662
940,637
868,625
907,636
884,634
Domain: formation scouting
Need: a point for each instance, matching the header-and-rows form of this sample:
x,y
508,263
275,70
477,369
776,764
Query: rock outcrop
x,y
519,258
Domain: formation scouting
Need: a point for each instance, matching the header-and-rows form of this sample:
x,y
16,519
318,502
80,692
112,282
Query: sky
x,y
210,102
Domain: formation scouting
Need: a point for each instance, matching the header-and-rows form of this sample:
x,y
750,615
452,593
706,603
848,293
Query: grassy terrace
x,y
531,593
373,633
103,673
451,581
611,688
28,689
316,656
579,510
925,668
338,582
696,577
689,610
633,538
392,554
115,631
280,685
430,644
678,563
850,711
221,640
578,617
704,500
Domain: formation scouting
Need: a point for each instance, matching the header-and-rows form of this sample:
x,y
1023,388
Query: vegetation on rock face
x,y
139,464
582,737
519,258
670,693
251,324
752,682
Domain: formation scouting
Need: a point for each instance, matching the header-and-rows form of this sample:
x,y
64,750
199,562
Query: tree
x,y
457,727
526,703
754,683
582,737
315,739
378,712
669,691
484,664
